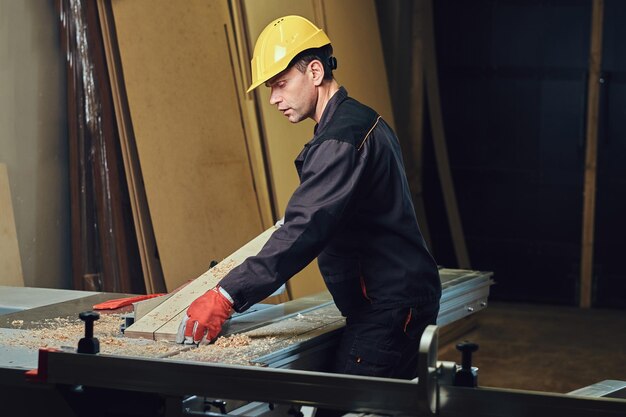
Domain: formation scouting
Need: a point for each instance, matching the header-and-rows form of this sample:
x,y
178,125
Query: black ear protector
x,y
332,62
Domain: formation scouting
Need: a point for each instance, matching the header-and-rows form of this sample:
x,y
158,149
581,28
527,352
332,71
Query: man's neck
x,y
324,94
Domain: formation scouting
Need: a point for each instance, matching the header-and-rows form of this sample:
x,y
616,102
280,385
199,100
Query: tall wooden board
x,y
591,153
10,263
180,85
439,139
150,264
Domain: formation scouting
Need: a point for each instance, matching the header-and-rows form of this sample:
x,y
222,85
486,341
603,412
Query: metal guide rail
x,y
102,380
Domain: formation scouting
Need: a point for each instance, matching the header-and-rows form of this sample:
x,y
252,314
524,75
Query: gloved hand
x,y
205,317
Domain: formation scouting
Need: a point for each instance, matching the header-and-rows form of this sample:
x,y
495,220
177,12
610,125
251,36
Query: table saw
x,y
279,370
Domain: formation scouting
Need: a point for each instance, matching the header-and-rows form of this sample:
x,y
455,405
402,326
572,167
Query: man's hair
x,y
323,54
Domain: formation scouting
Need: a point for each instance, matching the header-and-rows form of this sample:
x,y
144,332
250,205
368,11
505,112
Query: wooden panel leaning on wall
x,y
182,100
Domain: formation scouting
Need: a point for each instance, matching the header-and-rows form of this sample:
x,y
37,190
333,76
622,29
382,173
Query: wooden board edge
x,y
171,308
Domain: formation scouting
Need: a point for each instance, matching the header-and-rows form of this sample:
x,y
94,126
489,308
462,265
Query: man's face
x,y
294,94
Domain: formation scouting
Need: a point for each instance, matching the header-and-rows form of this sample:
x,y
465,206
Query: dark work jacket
x,y
353,211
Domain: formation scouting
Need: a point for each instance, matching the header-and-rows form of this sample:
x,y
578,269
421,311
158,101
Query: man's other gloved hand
x,y
205,317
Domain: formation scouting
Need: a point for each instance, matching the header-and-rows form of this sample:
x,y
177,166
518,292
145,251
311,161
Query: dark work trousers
x,y
382,343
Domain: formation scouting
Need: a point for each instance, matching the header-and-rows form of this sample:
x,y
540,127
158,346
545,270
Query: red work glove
x,y
205,317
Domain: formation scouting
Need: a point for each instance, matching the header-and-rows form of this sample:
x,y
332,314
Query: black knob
x,y
89,344
466,376
466,349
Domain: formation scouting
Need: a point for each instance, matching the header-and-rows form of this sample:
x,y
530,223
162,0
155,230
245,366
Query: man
x,y
352,210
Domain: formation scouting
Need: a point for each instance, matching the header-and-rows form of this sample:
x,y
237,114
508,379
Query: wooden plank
x,y
10,262
141,308
591,153
150,264
186,119
439,139
416,124
162,322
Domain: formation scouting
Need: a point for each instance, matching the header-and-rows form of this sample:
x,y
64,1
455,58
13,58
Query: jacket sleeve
x,y
329,177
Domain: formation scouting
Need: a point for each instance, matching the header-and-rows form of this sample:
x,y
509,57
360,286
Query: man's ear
x,y
317,70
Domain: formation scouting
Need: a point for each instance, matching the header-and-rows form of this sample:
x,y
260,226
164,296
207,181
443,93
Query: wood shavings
x,y
269,338
220,270
230,352
238,349
61,332
235,340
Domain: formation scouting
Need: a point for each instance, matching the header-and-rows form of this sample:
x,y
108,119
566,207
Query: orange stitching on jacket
x,y
368,133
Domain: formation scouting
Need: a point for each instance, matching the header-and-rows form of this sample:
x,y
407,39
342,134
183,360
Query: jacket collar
x,y
329,111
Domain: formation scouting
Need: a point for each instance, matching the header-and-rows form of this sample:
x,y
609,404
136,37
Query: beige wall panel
x,y
283,140
33,138
187,124
352,26
250,119
10,263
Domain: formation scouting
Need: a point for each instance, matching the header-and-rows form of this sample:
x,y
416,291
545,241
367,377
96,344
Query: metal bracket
x,y
427,371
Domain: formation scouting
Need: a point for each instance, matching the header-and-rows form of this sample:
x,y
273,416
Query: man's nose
x,y
274,98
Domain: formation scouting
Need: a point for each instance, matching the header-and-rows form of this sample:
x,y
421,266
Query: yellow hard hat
x,y
279,43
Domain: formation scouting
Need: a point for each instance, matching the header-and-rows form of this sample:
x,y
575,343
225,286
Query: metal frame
x,y
177,378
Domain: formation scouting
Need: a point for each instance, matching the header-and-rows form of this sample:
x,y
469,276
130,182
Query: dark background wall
x,y
513,82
